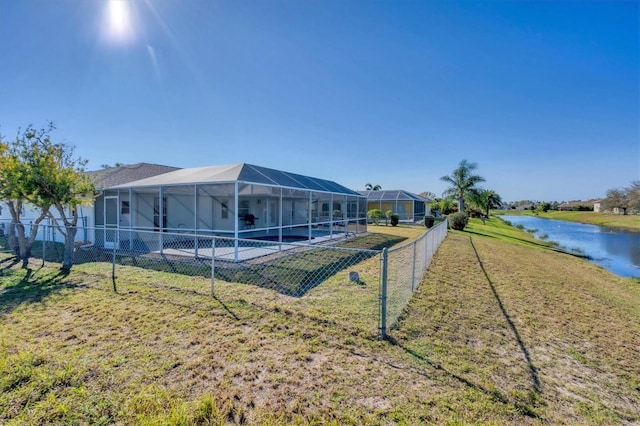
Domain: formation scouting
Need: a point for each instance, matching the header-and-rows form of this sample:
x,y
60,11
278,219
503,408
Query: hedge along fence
x,y
349,269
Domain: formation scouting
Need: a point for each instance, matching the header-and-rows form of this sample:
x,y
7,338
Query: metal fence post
x,y
213,262
413,268
113,269
383,296
425,248
44,245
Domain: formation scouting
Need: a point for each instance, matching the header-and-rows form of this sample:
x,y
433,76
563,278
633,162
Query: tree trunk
x,y
69,231
69,248
18,241
17,237
24,251
13,239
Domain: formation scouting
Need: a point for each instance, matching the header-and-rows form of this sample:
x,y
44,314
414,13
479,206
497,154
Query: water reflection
x,y
623,244
615,249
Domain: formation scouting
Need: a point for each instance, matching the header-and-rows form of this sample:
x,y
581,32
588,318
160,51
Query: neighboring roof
x,y
241,172
112,176
394,195
571,204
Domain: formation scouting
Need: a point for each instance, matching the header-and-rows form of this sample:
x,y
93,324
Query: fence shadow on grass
x,y
533,371
523,408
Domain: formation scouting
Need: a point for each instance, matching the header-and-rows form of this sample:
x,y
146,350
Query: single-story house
x,y
526,206
237,200
410,207
578,205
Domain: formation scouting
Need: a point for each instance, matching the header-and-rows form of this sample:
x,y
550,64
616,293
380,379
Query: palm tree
x,y
370,187
462,182
486,199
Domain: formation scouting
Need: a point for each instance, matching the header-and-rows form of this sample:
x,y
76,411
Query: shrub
x,y
473,211
458,221
387,216
429,221
395,219
374,215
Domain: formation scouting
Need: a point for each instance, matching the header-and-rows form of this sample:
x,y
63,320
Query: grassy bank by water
x,y
631,222
502,330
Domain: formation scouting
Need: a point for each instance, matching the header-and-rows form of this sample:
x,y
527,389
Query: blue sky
x,y
543,96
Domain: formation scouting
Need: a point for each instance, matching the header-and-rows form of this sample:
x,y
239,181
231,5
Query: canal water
x,y
615,249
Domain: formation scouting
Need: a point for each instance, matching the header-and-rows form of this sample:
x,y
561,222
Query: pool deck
x,y
250,250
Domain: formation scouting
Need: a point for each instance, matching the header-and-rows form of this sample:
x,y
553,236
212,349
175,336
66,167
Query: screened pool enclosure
x,y
408,206
240,201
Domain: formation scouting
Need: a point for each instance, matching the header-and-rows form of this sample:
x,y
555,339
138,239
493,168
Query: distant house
x,y
409,206
577,205
597,207
527,206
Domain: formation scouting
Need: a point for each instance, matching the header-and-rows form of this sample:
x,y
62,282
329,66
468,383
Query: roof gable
x,y
113,176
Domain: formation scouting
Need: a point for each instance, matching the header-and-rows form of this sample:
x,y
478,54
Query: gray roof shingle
x,y
113,176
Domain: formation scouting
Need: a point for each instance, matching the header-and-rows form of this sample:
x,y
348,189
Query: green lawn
x,y
502,330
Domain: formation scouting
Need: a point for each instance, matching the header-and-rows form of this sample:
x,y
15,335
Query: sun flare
x,y
119,27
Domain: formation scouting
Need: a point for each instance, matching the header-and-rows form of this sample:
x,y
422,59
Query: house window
x,y
224,211
156,213
124,208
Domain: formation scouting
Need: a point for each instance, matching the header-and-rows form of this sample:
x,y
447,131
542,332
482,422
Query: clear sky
x,y
543,95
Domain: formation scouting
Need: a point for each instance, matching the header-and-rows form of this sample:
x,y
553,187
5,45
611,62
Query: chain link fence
x,y
370,286
406,265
